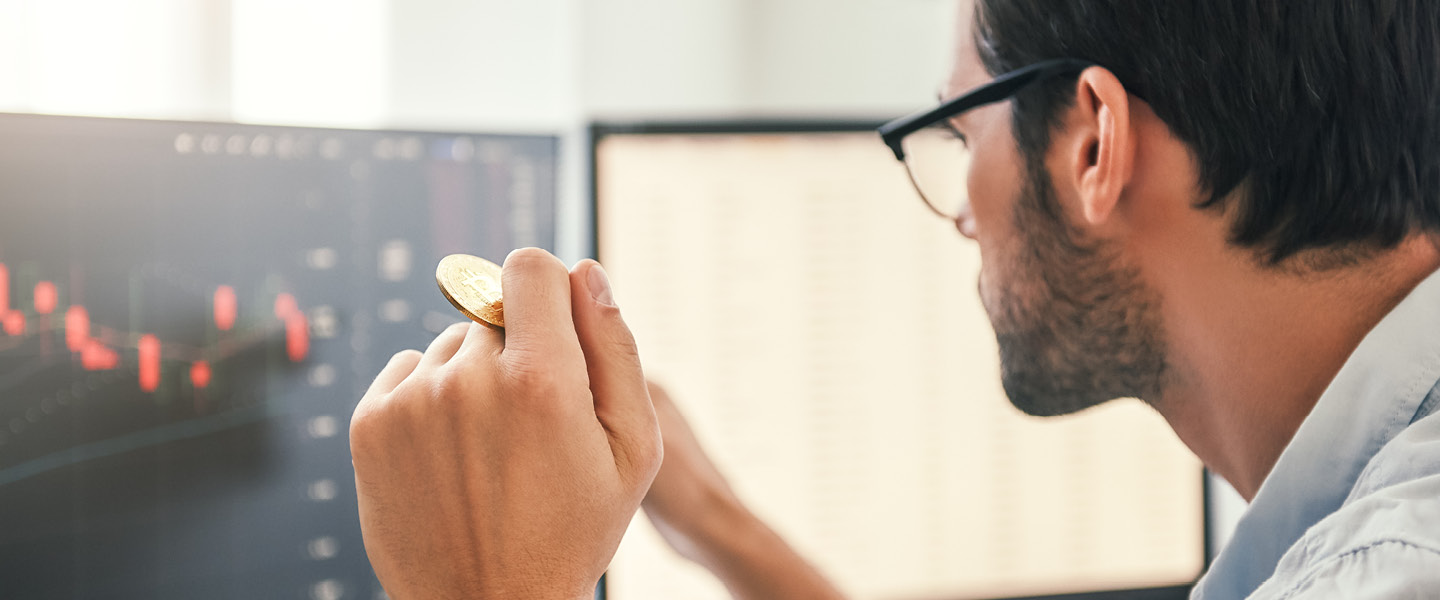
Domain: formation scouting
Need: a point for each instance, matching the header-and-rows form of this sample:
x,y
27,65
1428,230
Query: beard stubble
x,y
1076,326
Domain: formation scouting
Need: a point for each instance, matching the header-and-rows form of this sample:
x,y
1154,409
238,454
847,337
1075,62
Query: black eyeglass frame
x,y
1001,88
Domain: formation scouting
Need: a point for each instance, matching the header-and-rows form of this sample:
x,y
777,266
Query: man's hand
x,y
695,510
690,502
507,464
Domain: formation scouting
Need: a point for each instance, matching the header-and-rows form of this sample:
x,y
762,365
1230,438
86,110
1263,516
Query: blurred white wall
x,y
531,65
851,58
483,64
314,62
152,58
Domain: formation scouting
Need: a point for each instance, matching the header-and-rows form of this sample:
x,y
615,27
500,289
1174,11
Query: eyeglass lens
x,y
938,162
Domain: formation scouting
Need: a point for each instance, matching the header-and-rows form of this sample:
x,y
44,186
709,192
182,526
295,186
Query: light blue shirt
x,y
1352,507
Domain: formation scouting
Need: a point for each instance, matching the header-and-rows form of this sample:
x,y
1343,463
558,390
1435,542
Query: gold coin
x,y
472,284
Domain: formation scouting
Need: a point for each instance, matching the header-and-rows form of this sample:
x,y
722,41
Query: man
x,y
1228,208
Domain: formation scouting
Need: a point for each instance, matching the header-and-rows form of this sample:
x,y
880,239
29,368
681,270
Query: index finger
x,y
538,319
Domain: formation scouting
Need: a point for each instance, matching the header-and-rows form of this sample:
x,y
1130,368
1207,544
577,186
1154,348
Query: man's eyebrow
x,y
949,125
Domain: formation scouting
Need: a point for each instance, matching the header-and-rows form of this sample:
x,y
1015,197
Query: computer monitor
x,y
189,313
822,332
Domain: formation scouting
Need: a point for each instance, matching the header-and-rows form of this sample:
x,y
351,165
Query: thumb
x,y
622,400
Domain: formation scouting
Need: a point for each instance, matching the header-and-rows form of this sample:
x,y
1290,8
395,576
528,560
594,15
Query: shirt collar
x,y
1374,396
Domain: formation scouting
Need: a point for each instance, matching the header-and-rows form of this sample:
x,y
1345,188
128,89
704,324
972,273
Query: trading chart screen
x,y
188,314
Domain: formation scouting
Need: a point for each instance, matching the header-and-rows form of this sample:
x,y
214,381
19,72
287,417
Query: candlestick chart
x,y
79,372
189,313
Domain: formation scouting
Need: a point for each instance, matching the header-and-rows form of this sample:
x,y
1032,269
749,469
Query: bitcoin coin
x,y
472,284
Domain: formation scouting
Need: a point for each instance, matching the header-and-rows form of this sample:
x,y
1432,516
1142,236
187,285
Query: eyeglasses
x,y
934,153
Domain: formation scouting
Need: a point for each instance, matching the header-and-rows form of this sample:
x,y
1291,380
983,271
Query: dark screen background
x,y
228,475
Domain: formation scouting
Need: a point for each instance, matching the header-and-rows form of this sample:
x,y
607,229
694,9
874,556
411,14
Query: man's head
x,y
1290,137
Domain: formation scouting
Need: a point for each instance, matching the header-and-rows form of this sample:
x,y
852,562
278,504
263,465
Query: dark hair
x,y
1324,114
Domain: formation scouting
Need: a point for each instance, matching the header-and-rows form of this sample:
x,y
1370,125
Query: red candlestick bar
x,y
226,308
4,289
13,322
285,307
200,374
297,337
46,297
96,356
77,328
149,347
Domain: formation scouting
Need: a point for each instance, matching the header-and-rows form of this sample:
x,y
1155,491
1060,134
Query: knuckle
x,y
544,389
405,356
448,390
618,337
381,417
611,313
644,454
535,380
367,430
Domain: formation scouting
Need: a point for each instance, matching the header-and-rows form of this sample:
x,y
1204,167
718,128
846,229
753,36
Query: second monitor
x,y
821,330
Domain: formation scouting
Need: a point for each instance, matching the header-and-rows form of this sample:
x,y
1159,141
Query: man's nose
x,y
965,221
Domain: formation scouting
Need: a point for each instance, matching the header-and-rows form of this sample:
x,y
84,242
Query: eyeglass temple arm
x,y
1000,88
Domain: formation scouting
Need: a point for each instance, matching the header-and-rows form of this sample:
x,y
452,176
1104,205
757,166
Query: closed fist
x,y
508,463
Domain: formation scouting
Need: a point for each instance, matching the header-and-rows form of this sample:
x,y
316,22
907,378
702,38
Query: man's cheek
x,y
985,201
987,288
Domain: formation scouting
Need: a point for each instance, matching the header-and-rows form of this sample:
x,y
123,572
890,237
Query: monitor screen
x,y
189,313
822,331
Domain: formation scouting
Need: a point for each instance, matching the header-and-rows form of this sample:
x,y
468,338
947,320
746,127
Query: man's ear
x,y
1098,145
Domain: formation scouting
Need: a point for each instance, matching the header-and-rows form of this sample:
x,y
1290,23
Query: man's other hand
x,y
696,511
507,464
690,503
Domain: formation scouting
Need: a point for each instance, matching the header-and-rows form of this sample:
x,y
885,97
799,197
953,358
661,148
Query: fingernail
x,y
600,286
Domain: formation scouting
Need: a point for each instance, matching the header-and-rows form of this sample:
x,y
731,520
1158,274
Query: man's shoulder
x,y
1413,455
1384,541
1383,545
